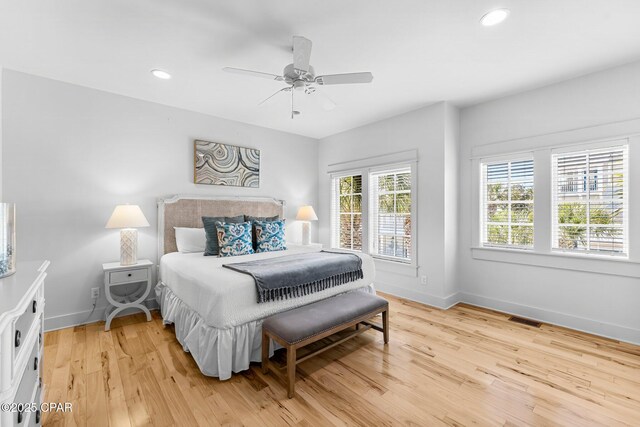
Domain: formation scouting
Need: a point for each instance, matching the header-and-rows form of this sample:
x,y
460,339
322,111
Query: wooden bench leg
x,y
385,325
291,370
265,352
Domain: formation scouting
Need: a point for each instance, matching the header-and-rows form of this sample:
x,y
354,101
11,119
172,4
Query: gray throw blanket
x,y
301,274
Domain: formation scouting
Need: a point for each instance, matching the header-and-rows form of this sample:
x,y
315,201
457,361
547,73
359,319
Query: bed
x,y
214,309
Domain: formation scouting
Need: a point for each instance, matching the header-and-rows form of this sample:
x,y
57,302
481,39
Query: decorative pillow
x,y
190,239
212,232
234,238
270,236
252,220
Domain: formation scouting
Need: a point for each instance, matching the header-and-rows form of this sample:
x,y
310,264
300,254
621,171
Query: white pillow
x,y
190,239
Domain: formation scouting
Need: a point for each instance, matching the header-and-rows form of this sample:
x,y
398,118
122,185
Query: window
x,y
590,200
507,204
372,209
347,207
391,213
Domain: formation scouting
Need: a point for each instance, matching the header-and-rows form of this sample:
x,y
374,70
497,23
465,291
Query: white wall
x,y
451,206
71,154
432,132
1,73
604,304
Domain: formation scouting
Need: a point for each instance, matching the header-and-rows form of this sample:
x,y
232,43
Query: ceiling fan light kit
x,y
300,77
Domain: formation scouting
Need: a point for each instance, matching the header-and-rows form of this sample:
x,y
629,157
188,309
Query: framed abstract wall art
x,y
223,164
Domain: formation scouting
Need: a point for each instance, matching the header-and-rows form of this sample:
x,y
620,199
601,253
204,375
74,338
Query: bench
x,y
305,325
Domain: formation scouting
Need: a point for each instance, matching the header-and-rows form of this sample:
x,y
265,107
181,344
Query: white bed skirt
x,y
218,352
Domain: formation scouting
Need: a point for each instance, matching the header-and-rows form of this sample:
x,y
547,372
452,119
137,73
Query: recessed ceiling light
x,y
494,17
161,74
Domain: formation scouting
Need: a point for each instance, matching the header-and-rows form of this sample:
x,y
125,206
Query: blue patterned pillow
x,y
270,236
211,231
253,219
234,238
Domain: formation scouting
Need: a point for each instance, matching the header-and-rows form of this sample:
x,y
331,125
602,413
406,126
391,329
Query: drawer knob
x,y
38,416
35,364
129,275
35,306
18,336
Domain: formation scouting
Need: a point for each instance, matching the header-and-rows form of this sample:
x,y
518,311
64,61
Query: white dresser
x,y
21,344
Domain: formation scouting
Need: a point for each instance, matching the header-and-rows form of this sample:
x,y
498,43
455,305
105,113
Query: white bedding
x,y
225,298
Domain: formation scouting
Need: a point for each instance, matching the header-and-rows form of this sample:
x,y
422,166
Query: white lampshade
x,y
127,216
306,213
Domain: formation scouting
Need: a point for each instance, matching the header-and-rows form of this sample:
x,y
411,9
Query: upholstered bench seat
x,y
304,325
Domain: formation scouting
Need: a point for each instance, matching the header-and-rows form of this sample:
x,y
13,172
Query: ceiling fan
x,y
300,76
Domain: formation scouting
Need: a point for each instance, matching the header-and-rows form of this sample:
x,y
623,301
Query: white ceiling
x,y
420,51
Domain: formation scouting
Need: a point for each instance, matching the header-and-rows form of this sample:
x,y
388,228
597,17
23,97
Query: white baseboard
x,y
608,330
83,318
422,297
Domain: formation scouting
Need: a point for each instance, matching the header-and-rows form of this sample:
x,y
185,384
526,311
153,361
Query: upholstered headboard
x,y
187,211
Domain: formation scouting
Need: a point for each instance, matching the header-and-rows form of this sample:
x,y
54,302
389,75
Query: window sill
x,y
616,266
352,251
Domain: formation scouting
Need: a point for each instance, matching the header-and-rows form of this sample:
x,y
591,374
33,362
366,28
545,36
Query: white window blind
x,y
346,212
390,213
507,204
590,201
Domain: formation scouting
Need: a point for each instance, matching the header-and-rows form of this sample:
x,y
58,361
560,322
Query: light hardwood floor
x,y
463,366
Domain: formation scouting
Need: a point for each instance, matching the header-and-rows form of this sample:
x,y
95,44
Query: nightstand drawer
x,y
128,276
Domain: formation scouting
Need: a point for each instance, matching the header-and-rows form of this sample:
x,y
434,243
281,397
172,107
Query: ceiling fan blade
x,y
284,89
326,102
343,79
301,53
252,73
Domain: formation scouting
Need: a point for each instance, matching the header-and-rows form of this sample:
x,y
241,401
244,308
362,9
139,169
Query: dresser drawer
x,y
35,418
23,324
30,380
40,350
128,276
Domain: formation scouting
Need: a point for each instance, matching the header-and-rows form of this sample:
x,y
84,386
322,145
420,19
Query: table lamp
x,y
306,214
128,218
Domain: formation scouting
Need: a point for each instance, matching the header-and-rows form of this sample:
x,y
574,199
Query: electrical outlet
x,y
95,293
423,280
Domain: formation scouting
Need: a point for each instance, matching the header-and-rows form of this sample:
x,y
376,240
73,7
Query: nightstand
x,y
117,275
